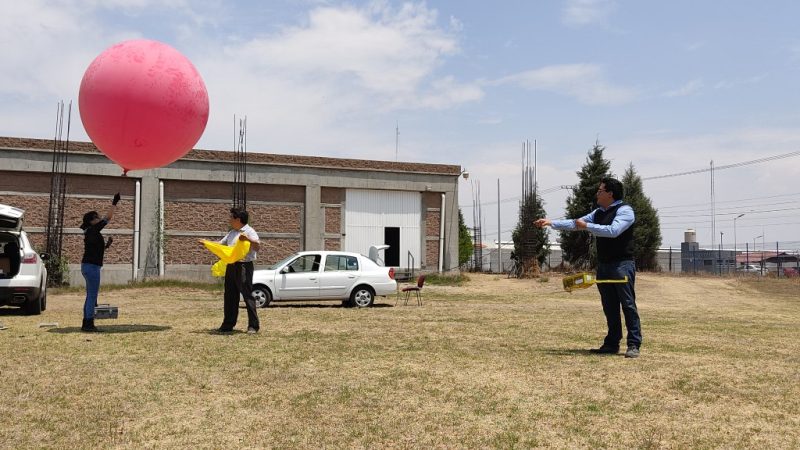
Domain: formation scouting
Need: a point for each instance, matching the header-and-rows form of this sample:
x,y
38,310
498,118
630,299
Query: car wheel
x,y
262,296
43,299
362,297
34,306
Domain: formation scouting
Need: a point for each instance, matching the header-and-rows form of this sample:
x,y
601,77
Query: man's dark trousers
x,y
619,295
239,280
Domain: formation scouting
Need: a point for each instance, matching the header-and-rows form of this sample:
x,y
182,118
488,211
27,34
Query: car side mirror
x,y
284,271
44,256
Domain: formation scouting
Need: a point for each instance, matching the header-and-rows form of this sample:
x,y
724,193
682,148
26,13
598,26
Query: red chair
x,y
417,289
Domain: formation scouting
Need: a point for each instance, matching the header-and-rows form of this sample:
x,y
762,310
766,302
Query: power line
x,y
727,166
794,194
669,175
732,213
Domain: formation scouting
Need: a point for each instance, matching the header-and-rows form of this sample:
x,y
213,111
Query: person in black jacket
x,y
94,247
612,225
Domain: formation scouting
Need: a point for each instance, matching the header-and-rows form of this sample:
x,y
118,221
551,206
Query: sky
x,y
666,86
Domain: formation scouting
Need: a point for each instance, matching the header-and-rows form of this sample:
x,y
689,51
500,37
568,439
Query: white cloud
x,y
730,84
689,88
587,12
584,82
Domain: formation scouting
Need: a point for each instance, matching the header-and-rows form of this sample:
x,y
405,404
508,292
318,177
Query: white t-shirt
x,y
233,235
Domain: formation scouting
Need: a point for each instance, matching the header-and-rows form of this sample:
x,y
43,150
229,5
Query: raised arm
x,y
113,208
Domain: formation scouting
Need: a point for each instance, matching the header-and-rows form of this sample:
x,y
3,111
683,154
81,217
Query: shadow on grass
x,y
12,312
318,305
215,332
113,329
576,351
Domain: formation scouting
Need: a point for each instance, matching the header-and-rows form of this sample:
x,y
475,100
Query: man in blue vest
x,y
612,226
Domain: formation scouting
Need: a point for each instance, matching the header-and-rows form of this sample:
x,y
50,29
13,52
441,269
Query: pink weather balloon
x,y
143,104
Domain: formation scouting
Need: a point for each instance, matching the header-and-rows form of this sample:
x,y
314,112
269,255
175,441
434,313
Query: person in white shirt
x,y
239,275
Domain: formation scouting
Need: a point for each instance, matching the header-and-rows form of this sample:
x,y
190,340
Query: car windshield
x,y
282,262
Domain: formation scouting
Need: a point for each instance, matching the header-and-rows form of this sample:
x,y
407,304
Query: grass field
x,y
491,363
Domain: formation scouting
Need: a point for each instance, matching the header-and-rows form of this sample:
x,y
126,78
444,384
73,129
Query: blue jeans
x,y
616,296
91,273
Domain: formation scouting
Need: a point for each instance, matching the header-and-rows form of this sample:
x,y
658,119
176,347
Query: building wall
x,y
30,191
201,210
296,203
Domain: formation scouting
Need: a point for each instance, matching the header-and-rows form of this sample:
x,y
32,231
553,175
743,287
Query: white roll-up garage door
x,y
369,213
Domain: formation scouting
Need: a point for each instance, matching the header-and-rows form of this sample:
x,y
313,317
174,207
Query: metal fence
x,y
781,259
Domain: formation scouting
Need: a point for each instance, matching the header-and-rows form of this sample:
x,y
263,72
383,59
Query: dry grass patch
x,y
492,363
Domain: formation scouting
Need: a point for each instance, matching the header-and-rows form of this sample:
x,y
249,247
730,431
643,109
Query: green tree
x,y
577,247
530,242
465,247
647,231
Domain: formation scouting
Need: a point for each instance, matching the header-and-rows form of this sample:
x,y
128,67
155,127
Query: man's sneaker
x,y
605,350
633,352
251,330
224,330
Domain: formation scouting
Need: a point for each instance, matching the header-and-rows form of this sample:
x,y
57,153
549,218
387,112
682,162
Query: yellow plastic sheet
x,y
227,255
218,269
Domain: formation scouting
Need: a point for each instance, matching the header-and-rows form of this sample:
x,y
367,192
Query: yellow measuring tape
x,y
584,280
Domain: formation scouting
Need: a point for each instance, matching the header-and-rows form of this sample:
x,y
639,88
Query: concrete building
x,y
296,203
694,259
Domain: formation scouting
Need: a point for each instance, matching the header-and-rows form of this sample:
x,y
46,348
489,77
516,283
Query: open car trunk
x,y
10,255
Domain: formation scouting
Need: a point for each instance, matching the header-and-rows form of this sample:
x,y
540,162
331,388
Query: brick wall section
x,y
39,182
432,254
120,252
333,244
332,195
196,216
182,190
431,200
432,223
77,207
186,250
36,208
276,250
333,220
203,216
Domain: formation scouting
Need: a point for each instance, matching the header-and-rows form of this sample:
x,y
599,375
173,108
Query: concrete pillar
x,y
314,221
451,231
148,237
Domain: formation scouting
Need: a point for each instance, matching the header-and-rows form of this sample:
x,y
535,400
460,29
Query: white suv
x,y
23,277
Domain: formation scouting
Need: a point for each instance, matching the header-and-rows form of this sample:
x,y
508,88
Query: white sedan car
x,y
324,275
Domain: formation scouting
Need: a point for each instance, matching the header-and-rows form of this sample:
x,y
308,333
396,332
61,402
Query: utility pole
x,y
499,234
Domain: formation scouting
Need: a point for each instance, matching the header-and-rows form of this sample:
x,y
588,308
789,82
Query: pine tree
x,y
464,241
647,231
530,242
576,246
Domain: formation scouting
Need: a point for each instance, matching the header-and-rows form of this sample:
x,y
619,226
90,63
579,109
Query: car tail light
x,y
391,273
30,258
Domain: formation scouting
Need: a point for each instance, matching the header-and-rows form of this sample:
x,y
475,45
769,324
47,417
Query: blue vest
x,y
615,249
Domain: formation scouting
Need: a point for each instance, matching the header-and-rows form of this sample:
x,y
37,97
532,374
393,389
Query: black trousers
x,y
239,280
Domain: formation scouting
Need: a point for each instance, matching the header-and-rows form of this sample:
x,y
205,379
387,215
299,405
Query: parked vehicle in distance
x,y
324,275
752,268
23,276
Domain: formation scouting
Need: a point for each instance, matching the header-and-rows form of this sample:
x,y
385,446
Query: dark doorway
x,y
391,237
